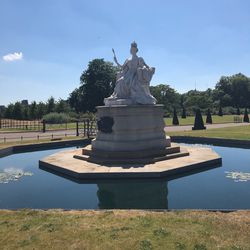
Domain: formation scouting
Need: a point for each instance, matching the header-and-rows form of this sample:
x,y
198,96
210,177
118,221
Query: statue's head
x,y
133,49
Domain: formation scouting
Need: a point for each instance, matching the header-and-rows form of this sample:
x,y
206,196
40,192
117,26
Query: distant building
x,y
25,102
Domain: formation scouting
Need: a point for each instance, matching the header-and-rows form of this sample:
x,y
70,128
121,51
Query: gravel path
x,y
208,126
18,136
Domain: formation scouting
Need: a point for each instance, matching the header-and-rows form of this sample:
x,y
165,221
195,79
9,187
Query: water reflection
x,y
132,193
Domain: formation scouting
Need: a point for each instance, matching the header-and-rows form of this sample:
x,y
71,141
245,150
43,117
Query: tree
x,y
238,111
209,117
76,100
198,99
233,90
167,96
198,122
246,117
9,111
184,116
2,111
220,111
17,111
25,112
62,106
51,105
175,118
41,110
96,83
33,110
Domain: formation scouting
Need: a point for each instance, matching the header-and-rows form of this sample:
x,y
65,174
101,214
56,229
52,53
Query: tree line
x,y
34,110
232,93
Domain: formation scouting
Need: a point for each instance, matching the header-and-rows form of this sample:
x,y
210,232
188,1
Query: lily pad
x,y
238,176
12,174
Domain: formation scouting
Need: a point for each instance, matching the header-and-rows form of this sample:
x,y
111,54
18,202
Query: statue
x,y
132,85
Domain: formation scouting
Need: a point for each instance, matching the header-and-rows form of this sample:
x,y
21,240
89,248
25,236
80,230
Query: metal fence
x,y
84,127
238,119
35,125
39,137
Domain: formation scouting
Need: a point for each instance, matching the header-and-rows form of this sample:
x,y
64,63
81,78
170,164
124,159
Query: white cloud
x,y
13,57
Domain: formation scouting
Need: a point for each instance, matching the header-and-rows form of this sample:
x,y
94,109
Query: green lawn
x,y
190,119
63,126
240,132
49,127
55,229
45,140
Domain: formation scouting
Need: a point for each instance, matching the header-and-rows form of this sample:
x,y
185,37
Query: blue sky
x,y
194,41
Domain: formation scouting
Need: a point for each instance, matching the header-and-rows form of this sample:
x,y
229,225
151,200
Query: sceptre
x,y
113,52
116,58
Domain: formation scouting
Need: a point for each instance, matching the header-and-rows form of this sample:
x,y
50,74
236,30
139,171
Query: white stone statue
x,y
132,85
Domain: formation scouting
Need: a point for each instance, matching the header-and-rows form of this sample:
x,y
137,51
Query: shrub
x,y
88,115
209,117
246,118
198,122
175,118
55,118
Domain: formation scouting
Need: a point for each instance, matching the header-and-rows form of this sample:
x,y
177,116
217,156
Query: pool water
x,y
224,187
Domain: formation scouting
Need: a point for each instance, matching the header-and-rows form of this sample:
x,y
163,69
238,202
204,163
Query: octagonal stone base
x,y
66,163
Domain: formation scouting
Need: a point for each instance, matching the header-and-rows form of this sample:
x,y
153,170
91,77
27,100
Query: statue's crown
x,y
134,44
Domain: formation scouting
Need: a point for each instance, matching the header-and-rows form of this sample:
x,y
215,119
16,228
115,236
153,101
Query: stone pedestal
x,y
130,128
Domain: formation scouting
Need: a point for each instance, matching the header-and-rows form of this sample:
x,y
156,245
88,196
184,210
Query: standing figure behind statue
x,y
132,85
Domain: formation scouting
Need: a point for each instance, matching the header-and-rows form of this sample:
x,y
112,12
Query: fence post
x,y
88,128
77,128
84,128
44,126
0,123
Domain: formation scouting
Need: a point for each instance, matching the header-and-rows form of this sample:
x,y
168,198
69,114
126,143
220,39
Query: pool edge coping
x,y
212,141
184,139
9,150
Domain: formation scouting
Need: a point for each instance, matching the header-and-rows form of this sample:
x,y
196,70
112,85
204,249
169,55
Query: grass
x,y
45,140
239,132
190,119
56,229
63,126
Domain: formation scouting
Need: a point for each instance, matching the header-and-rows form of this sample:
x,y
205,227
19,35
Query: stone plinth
x,y
65,163
130,128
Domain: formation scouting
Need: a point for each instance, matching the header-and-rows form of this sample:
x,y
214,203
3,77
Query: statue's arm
x,y
146,65
117,63
143,63
123,67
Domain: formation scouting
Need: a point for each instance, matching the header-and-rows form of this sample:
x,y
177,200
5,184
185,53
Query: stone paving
x,y
64,163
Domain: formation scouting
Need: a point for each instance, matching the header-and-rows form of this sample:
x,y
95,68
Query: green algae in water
x,y
238,176
12,174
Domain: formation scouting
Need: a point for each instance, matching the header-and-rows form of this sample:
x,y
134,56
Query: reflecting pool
x,y
24,185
